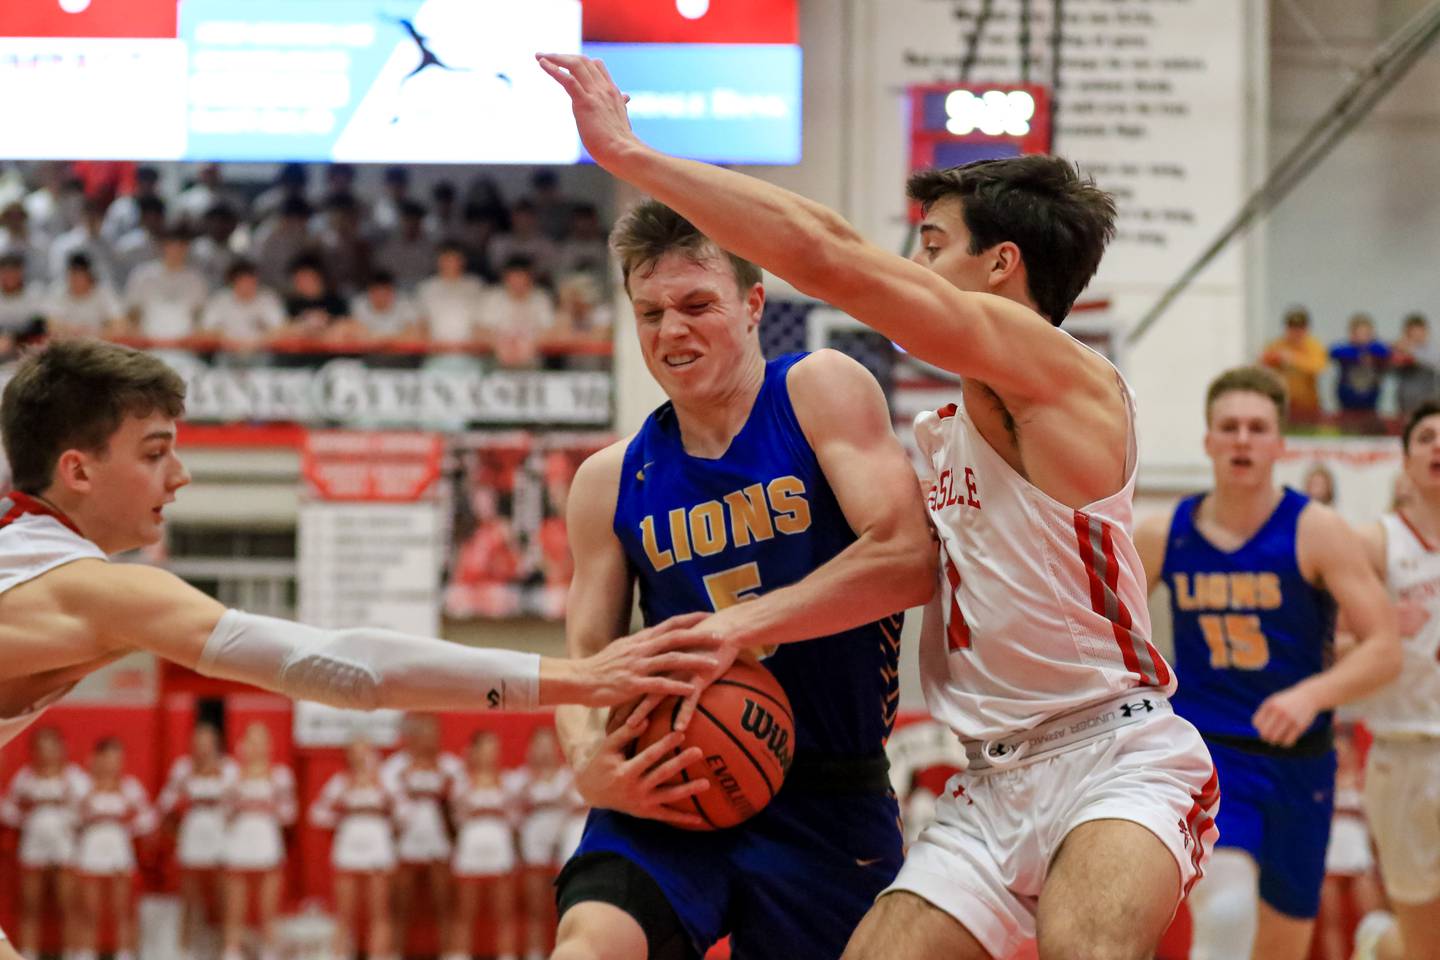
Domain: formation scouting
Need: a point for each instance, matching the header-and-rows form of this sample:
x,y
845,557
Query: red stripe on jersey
x,y
1101,589
1123,620
958,631
1415,532
24,503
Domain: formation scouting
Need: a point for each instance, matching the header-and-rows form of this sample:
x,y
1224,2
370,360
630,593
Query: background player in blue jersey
x,y
780,484
1255,573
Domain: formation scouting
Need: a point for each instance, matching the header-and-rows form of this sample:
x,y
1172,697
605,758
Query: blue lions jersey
x,y
1247,623
704,534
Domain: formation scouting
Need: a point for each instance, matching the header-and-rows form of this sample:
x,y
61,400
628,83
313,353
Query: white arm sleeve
x,y
367,669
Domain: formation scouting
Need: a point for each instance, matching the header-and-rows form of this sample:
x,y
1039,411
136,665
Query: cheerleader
x,y
544,787
484,812
112,812
41,804
420,778
260,801
357,806
195,793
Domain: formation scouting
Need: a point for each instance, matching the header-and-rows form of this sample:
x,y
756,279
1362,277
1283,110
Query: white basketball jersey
x,y
1410,704
33,542
1042,607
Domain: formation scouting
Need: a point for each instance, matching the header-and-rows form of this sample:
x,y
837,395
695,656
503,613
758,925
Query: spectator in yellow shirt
x,y
1299,357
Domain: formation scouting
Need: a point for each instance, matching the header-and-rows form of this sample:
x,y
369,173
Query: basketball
x,y
746,729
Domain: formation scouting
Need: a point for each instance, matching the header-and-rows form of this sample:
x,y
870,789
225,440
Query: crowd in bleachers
x,y
1345,384
332,268
483,841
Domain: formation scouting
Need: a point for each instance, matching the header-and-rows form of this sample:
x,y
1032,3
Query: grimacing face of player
x,y
1422,457
696,328
1243,439
128,484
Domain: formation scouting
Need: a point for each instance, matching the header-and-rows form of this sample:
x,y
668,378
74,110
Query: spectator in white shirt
x,y
49,206
408,253
141,243
17,237
385,215
165,296
452,300
213,253
280,240
80,306
124,214
20,305
88,238
385,312
517,314
208,190
580,307
586,249
443,220
525,239
243,314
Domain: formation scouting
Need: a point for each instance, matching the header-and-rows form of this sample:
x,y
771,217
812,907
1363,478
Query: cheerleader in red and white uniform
x,y
544,787
113,811
420,777
357,806
194,793
485,813
41,804
259,803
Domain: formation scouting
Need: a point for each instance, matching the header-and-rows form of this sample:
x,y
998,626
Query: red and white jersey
x,y
424,786
126,804
1410,704
31,794
542,794
342,798
35,540
185,789
1042,607
470,801
271,796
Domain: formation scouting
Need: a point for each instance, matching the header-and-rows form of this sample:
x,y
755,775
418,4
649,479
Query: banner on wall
x,y
371,541
510,555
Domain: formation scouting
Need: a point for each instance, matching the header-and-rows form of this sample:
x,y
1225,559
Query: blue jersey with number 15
x,y
703,534
1247,622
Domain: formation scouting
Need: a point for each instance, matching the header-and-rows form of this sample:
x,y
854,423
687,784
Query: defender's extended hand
x,y
649,662
598,104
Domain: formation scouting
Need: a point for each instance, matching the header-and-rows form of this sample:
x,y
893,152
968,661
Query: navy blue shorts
x,y
1278,810
791,884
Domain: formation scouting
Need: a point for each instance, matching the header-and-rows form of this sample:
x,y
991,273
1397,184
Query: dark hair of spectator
x,y
1427,409
1247,380
478,212
220,211
444,192
175,235
1060,220
411,210
109,744
450,246
544,179
96,206
651,230
343,171
12,259
1297,317
295,208
523,206
397,176
307,261
240,268
292,175
73,395
582,211
343,201
519,262
80,261
1413,320
1358,320
381,278
151,205
147,175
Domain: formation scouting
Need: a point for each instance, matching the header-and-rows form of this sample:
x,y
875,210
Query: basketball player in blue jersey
x,y
778,493
1256,573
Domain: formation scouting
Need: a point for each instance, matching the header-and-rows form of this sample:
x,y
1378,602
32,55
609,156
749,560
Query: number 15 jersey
x,y
1247,622
702,534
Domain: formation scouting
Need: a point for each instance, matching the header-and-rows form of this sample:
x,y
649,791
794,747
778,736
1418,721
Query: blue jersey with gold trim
x,y
703,534
1247,623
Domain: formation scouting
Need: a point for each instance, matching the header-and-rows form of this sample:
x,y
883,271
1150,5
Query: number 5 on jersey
x,y
1236,641
736,585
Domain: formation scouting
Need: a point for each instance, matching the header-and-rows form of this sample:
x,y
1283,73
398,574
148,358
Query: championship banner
x,y
370,544
511,551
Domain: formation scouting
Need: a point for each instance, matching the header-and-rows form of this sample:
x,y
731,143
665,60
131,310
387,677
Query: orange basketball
x,y
746,729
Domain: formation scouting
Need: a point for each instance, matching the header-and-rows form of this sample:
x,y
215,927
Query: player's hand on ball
x,y
658,660
598,104
1284,716
610,780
